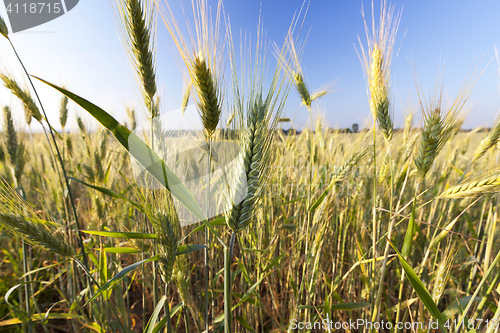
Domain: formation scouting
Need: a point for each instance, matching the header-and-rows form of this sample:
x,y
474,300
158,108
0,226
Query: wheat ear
x,y
63,112
11,135
442,274
485,185
300,85
348,165
185,97
209,103
166,224
3,28
139,23
489,141
19,217
376,62
251,162
30,108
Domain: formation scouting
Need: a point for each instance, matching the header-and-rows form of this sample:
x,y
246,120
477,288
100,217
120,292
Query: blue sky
x,y
82,50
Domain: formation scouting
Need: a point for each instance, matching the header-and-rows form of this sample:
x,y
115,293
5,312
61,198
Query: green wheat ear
x,y
30,108
302,89
167,228
138,24
63,112
206,88
18,217
11,136
3,28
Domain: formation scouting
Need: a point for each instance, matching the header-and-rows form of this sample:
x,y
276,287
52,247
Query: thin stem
x,y
228,254
378,299
207,237
374,208
85,261
167,309
465,172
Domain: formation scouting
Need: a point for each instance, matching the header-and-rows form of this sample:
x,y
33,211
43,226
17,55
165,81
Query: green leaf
x,y
140,151
245,297
421,291
118,277
321,198
176,309
245,323
41,316
349,306
121,234
110,193
183,249
151,324
405,251
103,271
121,250
218,221
163,322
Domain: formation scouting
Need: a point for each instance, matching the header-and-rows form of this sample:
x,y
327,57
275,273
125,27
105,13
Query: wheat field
x,y
243,226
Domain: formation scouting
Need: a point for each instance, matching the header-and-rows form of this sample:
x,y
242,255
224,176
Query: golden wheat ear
x,y
488,142
474,187
376,60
